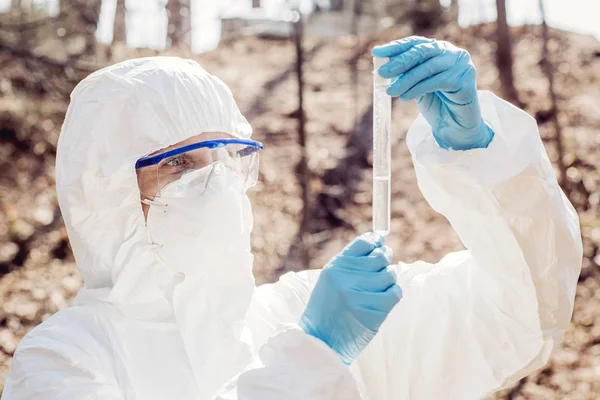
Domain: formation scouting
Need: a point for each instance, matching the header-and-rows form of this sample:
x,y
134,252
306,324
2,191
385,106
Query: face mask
x,y
203,227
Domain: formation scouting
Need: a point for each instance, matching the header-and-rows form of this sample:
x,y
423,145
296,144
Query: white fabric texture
x,y
477,320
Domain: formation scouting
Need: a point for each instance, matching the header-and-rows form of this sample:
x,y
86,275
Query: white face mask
x,y
206,231
203,231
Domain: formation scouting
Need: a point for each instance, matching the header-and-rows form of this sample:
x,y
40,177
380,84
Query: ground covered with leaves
x,y
38,273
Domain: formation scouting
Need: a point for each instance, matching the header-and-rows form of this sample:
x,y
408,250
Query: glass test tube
x,y
382,123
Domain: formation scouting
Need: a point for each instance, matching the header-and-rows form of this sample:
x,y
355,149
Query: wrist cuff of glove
x,y
479,140
306,326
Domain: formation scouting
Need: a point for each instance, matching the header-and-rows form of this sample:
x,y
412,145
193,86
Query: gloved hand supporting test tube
x,y
382,123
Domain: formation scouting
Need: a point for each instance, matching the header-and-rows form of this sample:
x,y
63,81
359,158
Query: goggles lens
x,y
174,172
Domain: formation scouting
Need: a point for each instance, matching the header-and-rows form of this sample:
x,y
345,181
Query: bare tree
x,y
28,29
302,167
173,21
426,14
354,76
89,17
504,58
186,22
22,32
452,10
120,26
179,28
548,70
80,19
453,7
336,5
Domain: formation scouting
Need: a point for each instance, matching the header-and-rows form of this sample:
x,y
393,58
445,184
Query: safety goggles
x,y
195,164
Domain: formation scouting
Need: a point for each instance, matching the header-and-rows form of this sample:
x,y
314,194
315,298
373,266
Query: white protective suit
x,y
466,326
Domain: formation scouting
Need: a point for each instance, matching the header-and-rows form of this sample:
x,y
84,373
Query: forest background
x,y
301,73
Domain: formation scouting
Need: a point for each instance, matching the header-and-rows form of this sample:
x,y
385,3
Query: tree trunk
x,y
63,5
548,70
302,168
120,26
452,11
186,23
173,18
336,5
179,23
426,14
89,17
453,6
354,76
80,21
504,58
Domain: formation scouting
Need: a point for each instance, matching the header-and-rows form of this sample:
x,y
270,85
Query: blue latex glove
x,y
353,296
441,78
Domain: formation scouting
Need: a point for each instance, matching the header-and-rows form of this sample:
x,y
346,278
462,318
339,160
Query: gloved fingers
x,y
431,67
375,281
380,258
377,260
363,245
395,291
415,56
447,81
379,301
396,47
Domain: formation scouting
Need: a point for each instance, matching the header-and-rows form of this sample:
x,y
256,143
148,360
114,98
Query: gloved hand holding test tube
x,y
382,124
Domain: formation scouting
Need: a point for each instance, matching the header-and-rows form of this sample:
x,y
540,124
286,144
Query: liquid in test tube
x,y
382,123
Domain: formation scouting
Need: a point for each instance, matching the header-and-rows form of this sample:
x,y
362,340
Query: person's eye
x,y
176,161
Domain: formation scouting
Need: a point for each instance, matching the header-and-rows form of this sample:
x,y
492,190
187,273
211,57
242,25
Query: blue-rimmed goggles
x,y
198,162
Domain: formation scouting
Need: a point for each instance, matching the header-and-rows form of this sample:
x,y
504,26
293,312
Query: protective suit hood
x,y
117,115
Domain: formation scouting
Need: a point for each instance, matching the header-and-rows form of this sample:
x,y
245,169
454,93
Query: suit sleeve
x,y
45,369
292,365
482,318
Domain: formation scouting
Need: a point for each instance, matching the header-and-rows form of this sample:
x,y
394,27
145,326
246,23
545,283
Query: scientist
x,y
153,163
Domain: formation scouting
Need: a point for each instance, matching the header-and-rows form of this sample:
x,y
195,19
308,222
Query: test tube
x,y
382,123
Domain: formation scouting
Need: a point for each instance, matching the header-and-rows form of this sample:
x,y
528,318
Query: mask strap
x,y
153,246
153,203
